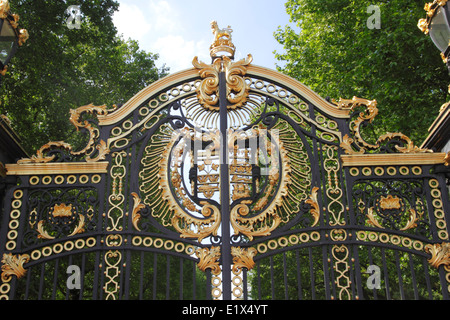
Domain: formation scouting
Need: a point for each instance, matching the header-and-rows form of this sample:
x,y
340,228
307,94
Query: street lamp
x,y
11,37
437,24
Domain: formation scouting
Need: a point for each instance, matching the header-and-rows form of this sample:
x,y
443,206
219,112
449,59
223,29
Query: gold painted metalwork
x,y
341,254
112,273
243,258
116,198
137,207
237,88
209,259
368,115
333,190
222,41
440,254
431,9
62,210
447,159
158,181
13,266
88,150
315,210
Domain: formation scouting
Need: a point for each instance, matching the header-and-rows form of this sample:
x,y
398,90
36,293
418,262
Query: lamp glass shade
x,y
7,39
440,28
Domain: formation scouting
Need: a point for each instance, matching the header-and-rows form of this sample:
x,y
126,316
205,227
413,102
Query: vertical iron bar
x,y
55,278
225,190
155,271
386,274
285,277
168,277
299,276
427,277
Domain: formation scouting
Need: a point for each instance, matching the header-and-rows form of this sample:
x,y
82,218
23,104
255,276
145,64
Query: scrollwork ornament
x,y
209,259
440,254
13,265
243,258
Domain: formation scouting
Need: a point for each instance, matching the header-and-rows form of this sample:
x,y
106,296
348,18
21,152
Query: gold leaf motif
x,y
62,210
137,207
209,259
440,254
243,258
315,210
13,265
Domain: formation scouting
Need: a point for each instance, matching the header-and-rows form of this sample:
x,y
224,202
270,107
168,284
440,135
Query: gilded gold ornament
x,y
13,265
440,254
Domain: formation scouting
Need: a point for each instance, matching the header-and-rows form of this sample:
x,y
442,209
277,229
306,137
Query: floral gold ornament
x,y
101,149
440,254
349,144
13,266
431,9
137,207
209,259
243,258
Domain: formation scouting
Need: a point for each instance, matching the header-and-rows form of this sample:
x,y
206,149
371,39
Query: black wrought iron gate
x,y
227,181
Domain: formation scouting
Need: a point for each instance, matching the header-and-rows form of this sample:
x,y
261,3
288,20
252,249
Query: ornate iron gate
x,y
227,181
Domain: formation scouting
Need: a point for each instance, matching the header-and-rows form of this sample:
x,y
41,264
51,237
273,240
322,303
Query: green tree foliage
x,y
59,68
336,54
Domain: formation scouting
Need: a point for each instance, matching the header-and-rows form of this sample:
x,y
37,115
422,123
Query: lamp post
x,y
11,37
437,24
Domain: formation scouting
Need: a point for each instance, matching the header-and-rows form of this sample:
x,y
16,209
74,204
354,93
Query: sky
x,y
179,30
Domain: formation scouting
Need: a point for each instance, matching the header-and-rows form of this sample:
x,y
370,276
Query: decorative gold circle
x,y
158,243
283,241
15,214
433,183
96,178
34,180
47,180
237,292
147,241
395,239
90,242
366,171
216,292
13,224
47,251
59,179
293,239
262,248
407,242
354,171
315,236
128,124
71,179
153,103
391,171
259,84
437,203
11,245
179,247
18,194
436,193
68,246
36,255
4,288
373,236
58,248
163,97
361,235
293,99
237,280
416,170
190,249
272,244
384,238
79,244
12,234
16,204
418,245
117,131
144,111
439,213
443,235
84,179
282,93
136,241
441,224
169,244
379,171
304,237
404,170
216,281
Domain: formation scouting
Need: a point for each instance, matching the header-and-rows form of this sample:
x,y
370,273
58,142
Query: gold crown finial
x,y
222,44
